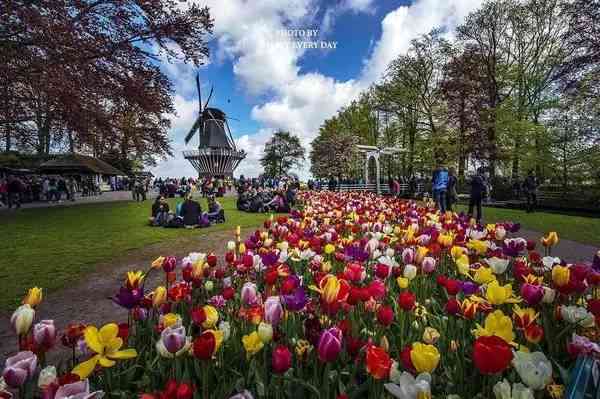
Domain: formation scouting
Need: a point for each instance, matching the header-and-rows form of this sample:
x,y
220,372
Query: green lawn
x,y
51,247
576,228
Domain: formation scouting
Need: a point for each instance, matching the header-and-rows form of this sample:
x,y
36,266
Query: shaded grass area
x,y
53,247
582,229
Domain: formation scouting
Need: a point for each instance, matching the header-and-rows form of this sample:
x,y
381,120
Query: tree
x,y
333,154
71,69
282,152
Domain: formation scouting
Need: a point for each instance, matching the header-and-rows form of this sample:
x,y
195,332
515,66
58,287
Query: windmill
x,y
217,154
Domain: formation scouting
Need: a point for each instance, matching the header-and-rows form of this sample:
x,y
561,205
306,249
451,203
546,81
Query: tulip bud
x,y
430,335
44,334
230,246
209,285
22,318
47,377
159,296
225,328
273,310
410,272
265,332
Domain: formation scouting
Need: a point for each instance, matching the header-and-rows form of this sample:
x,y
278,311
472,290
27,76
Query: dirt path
x,y
88,301
571,251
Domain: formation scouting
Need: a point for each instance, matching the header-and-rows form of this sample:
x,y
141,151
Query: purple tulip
x,y
249,295
408,256
296,301
532,294
273,310
173,338
44,334
356,252
469,287
19,368
77,390
596,262
128,298
514,246
270,258
330,344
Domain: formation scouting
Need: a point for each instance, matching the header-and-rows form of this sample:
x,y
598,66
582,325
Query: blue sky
x,y
265,80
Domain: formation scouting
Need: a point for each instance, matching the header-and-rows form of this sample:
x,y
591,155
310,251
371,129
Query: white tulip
x,y
410,272
410,387
22,318
498,265
534,369
47,377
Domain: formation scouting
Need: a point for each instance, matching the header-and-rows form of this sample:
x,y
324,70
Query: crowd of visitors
x,y
267,194
207,186
16,190
187,214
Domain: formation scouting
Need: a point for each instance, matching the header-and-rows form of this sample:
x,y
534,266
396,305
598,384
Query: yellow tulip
x,y
157,263
303,347
134,279
326,267
478,246
106,345
252,344
34,297
483,275
550,240
212,316
497,294
329,249
498,324
462,264
457,251
238,230
402,282
331,288
445,240
420,254
424,357
159,296
561,275
242,248
170,319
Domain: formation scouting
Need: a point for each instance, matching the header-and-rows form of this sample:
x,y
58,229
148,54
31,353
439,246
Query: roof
x,y
80,163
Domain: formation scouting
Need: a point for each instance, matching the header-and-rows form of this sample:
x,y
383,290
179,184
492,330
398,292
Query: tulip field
x,y
350,296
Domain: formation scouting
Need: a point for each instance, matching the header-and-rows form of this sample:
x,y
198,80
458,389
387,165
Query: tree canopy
x,y
282,152
83,75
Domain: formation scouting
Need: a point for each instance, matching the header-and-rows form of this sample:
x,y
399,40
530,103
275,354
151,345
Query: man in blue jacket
x,y
440,187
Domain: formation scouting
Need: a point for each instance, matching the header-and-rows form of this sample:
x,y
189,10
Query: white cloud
x,y
245,32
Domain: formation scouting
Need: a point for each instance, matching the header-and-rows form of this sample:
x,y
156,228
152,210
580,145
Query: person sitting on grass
x,y
160,211
190,212
216,213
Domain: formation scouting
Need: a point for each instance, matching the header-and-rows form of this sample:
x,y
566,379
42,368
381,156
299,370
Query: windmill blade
x,y
193,130
199,92
233,119
209,96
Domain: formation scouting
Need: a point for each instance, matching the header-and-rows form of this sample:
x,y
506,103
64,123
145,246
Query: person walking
x,y
440,187
530,190
478,192
452,196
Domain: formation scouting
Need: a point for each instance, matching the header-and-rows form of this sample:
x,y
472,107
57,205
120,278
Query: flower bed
x,y
352,296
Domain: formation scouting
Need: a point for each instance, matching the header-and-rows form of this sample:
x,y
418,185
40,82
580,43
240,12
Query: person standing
x,y
15,188
530,190
440,187
452,195
61,188
478,192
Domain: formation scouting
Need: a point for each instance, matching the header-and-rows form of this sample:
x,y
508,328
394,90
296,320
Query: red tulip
x,y
378,362
211,259
406,360
385,315
534,333
205,345
452,286
491,355
452,306
281,359
184,391
407,300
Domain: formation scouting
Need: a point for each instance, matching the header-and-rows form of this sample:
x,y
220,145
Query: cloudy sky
x,y
268,74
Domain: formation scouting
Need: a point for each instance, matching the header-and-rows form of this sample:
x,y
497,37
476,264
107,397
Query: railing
x,y
384,187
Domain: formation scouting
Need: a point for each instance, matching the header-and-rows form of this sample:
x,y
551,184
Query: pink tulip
x,y
44,334
249,295
428,264
77,390
19,368
273,310
330,344
377,289
532,294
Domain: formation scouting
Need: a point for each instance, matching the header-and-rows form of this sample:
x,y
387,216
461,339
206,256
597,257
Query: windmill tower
x,y
217,154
